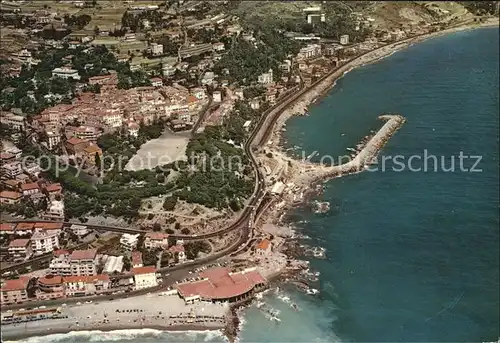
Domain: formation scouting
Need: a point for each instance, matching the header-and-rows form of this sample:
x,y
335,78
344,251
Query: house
x,y
30,188
217,96
199,93
344,39
76,146
178,251
129,241
208,78
66,73
43,242
136,259
156,49
266,78
255,104
13,291
133,129
53,189
129,37
55,210
263,248
10,197
271,96
79,230
49,227
144,277
13,121
239,94
156,82
218,46
310,51
91,152
86,285
20,249
24,229
7,229
156,240
11,170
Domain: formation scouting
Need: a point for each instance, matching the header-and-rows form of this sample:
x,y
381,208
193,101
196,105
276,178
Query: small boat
x,y
351,149
295,307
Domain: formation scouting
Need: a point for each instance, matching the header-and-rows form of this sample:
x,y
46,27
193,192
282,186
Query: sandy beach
x,y
151,311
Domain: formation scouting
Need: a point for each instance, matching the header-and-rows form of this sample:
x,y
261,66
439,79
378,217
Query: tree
x,y
96,30
177,226
97,160
156,227
185,231
126,263
169,203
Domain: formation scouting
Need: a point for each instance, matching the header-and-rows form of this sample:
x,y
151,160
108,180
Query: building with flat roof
x,y
145,277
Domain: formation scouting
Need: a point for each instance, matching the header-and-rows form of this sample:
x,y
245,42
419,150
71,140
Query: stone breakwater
x,y
313,173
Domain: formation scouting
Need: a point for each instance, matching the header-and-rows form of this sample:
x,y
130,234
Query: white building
x,y
199,93
156,49
156,82
278,188
208,78
344,39
53,139
79,230
20,248
310,51
266,78
168,70
66,73
43,242
145,277
217,96
56,209
12,169
129,241
13,121
156,240
246,125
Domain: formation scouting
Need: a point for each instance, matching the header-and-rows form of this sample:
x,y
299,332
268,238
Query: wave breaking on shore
x,y
143,335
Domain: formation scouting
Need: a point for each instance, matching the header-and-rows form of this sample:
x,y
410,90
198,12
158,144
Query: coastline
x,y
117,329
301,105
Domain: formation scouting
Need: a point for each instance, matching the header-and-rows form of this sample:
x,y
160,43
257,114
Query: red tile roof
x,y
54,187
4,227
176,248
49,226
75,141
25,226
10,195
157,235
86,279
88,254
29,186
51,280
264,244
6,156
143,270
60,252
19,243
136,257
14,285
219,283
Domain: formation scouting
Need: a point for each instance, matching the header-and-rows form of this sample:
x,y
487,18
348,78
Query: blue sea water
x,y
411,256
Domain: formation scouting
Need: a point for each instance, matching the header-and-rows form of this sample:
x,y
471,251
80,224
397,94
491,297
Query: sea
x,y
412,248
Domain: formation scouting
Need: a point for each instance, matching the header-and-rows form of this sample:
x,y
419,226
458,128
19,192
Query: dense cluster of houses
x,y
21,181
74,274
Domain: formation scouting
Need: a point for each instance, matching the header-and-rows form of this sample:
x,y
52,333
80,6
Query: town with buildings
x,y
110,111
